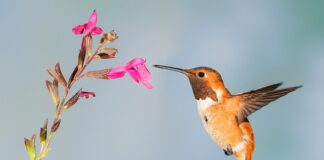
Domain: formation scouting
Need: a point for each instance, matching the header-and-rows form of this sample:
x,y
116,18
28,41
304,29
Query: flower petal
x,y
134,75
144,73
136,69
135,62
145,76
79,29
147,85
92,22
87,95
116,75
89,27
116,72
96,30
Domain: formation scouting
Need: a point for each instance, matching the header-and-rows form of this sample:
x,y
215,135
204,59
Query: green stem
x,y
44,149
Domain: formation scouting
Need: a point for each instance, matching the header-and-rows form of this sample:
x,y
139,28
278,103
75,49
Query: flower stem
x,y
89,60
58,113
60,109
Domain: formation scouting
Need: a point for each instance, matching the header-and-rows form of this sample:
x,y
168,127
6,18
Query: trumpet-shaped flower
x,y
89,27
136,69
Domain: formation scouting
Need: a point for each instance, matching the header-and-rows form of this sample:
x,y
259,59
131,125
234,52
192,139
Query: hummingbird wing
x,y
254,100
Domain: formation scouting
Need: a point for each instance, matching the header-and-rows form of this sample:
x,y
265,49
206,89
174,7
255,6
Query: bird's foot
x,y
228,151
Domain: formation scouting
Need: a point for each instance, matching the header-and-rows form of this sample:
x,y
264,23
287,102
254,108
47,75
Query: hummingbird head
x,y
205,82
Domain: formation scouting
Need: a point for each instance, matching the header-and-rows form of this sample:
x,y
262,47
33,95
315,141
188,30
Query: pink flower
x,y
136,69
87,95
89,27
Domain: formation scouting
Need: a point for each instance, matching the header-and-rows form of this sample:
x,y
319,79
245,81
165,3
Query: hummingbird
x,y
225,115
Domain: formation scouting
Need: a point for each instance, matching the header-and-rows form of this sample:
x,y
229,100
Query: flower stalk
x,y
85,58
65,106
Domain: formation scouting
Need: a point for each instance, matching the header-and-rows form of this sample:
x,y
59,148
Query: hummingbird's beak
x,y
172,69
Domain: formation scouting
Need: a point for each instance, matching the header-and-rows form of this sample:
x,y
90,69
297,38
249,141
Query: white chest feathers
x,y
204,103
207,102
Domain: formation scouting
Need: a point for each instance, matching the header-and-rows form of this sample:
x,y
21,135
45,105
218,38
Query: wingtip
x,y
288,90
297,87
278,84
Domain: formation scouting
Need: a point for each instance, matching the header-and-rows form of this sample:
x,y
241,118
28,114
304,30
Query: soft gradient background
x,y
253,43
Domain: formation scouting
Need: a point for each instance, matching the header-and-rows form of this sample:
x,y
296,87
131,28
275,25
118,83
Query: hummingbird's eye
x,y
201,74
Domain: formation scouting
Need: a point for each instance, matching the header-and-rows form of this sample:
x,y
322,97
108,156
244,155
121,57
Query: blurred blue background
x,y
251,43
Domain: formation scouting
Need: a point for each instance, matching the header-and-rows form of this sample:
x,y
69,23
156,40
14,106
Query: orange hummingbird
x,y
225,116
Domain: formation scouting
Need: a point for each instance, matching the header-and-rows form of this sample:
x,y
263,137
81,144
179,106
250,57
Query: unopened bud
x,y
109,37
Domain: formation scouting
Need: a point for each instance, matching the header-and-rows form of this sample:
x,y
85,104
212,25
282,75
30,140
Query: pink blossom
x,y
87,95
89,27
136,69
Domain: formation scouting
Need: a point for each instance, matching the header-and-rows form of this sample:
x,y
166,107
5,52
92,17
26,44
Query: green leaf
x,y
30,147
